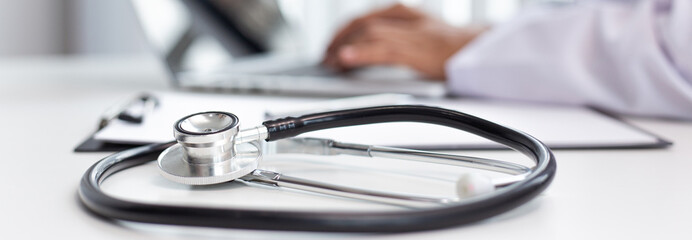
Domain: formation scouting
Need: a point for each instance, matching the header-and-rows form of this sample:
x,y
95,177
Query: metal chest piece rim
x,y
206,152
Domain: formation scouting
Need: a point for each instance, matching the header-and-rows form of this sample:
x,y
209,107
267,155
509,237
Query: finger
x,y
371,53
375,30
384,30
393,53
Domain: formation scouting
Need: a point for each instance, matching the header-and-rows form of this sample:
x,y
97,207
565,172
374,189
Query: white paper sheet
x,y
557,126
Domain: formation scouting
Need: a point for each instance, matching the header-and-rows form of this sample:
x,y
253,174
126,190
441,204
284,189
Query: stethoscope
x,y
210,148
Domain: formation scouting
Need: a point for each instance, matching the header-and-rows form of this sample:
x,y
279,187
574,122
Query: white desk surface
x,y
49,105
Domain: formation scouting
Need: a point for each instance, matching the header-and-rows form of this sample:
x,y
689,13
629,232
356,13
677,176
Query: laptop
x,y
248,46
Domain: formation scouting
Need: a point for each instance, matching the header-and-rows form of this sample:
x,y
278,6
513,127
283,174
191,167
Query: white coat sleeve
x,y
627,57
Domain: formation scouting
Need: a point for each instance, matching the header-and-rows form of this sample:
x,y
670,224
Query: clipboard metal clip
x,y
132,111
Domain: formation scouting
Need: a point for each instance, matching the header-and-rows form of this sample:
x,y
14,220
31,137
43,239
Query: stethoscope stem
x,y
274,179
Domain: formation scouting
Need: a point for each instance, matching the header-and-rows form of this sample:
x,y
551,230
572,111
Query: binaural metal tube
x,y
318,146
278,180
448,159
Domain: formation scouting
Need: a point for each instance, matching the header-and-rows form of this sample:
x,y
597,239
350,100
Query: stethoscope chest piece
x,y
206,152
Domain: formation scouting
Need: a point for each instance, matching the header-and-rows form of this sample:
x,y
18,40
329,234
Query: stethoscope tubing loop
x,y
471,210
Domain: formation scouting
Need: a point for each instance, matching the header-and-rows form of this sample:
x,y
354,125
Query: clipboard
x,y
560,127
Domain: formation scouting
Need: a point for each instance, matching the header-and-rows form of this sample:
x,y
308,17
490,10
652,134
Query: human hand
x,y
398,35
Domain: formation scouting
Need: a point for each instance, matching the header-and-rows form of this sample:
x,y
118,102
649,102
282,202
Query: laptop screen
x,y
193,35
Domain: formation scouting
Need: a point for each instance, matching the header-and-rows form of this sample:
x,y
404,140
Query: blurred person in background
x,y
628,57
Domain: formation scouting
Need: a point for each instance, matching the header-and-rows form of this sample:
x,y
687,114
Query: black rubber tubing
x,y
334,221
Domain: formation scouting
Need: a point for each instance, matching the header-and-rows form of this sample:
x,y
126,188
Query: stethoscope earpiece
x,y
474,184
